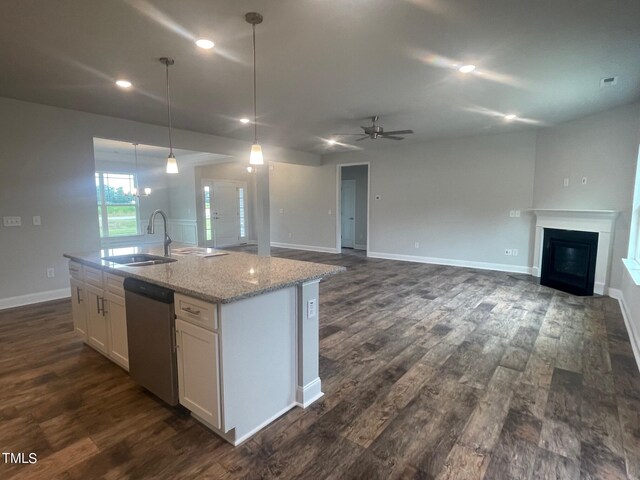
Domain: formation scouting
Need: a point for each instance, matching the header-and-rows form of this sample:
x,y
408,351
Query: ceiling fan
x,y
376,131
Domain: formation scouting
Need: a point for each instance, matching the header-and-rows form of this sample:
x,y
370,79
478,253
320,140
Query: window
x,y
208,226
243,233
117,205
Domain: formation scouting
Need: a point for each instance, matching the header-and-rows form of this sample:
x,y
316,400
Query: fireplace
x,y
600,223
569,260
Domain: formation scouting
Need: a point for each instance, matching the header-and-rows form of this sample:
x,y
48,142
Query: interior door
x,y
224,212
348,213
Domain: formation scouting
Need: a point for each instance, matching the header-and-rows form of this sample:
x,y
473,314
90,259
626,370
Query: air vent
x,y
608,82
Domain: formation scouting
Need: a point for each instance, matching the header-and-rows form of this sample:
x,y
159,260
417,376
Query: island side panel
x,y
258,353
309,387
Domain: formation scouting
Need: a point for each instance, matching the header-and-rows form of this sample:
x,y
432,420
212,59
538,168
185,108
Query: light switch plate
x,y
37,220
12,221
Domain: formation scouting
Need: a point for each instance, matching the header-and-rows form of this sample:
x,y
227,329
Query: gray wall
x,y
47,169
359,173
603,148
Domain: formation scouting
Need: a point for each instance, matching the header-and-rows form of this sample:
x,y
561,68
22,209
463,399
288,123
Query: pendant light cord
x,y
169,110
255,101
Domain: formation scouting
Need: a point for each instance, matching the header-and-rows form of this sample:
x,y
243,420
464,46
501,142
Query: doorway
x,y
224,212
353,207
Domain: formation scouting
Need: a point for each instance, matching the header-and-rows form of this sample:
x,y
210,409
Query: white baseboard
x,y
310,248
634,336
308,394
358,246
500,267
31,298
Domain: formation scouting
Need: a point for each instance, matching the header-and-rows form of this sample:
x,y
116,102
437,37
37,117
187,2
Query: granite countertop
x,y
219,279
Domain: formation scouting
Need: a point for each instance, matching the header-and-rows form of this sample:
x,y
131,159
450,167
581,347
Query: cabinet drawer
x,y
76,271
196,311
93,276
113,284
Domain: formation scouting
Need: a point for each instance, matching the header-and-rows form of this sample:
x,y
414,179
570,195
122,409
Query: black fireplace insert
x,y
569,260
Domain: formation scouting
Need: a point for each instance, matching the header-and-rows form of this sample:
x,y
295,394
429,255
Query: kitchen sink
x,y
138,259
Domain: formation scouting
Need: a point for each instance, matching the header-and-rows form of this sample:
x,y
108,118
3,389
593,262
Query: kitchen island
x,y
246,328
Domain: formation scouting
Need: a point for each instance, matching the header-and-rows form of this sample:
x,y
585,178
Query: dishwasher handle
x,y
149,290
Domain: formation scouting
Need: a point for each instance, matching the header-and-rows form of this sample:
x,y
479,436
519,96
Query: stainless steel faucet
x,y
151,230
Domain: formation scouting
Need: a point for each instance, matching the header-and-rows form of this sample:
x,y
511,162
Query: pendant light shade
x,y
256,150
172,164
256,155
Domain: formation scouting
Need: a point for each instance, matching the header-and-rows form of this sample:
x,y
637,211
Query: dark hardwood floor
x,y
428,372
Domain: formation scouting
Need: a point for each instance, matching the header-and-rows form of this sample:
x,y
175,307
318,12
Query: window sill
x,y
633,267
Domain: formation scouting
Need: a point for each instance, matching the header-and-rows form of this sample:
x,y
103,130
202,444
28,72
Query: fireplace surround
x,y
601,222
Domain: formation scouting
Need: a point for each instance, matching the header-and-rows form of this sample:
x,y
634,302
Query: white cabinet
x,y
78,310
97,331
117,325
198,371
99,311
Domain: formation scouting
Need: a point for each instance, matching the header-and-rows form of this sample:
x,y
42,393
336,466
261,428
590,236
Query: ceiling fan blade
x,y
398,132
363,138
343,134
391,137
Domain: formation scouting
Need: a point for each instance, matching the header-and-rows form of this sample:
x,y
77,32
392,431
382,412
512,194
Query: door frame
x,y
339,168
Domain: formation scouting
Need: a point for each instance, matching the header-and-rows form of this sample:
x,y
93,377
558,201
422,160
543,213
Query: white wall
x,y
47,169
603,148
360,174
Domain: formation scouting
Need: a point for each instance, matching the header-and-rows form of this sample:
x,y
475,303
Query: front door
x,y
224,212
348,213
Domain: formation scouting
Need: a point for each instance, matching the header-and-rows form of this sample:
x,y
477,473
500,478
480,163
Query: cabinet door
x,y
198,374
97,335
78,307
118,345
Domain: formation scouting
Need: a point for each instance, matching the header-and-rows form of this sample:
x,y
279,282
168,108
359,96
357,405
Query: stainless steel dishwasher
x,y
152,339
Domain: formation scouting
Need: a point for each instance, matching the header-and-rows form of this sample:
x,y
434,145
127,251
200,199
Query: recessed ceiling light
x,y
331,141
123,83
244,120
204,43
510,117
467,68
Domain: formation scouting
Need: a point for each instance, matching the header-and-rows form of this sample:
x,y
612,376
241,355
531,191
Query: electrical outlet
x,y
508,252
51,272
517,213
312,308
12,221
417,245
566,181
282,211
514,252
329,212
512,213
584,180
290,234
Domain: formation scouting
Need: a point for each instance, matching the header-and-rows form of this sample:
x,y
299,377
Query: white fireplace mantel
x,y
599,221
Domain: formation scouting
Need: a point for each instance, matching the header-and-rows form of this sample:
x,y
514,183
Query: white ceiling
x,y
325,64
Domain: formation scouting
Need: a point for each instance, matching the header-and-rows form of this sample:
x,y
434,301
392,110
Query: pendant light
x,y
172,164
256,150
136,191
